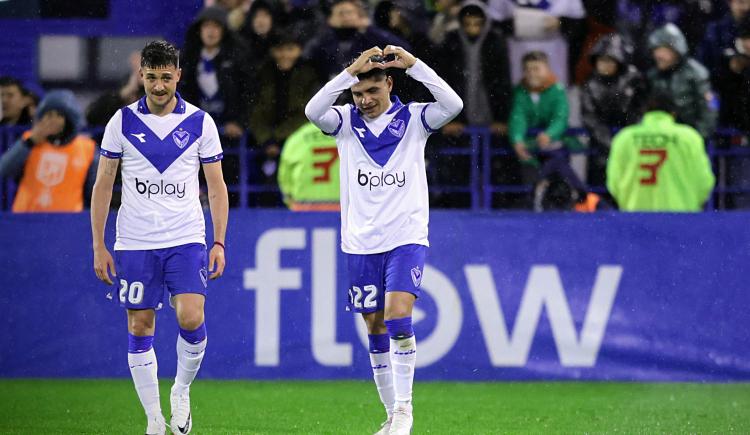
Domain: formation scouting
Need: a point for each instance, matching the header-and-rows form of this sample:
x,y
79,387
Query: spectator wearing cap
x,y
682,77
611,99
53,160
216,71
287,84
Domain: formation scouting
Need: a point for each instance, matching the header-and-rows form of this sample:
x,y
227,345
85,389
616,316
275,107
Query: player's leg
x,y
366,296
380,361
186,279
403,277
141,290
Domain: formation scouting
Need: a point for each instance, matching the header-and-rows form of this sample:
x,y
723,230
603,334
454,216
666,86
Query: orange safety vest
x,y
54,176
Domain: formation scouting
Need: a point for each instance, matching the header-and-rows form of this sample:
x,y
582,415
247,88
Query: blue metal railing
x,y
480,153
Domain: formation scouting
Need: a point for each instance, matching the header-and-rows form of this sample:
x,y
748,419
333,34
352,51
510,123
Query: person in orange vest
x,y
53,160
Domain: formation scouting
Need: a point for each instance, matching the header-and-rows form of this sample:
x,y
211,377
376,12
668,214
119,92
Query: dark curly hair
x,y
159,54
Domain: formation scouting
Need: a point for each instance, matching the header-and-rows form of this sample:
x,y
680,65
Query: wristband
x,y
220,244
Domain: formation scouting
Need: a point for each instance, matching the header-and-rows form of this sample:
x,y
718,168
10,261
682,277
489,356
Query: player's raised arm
x,y
101,197
447,103
319,110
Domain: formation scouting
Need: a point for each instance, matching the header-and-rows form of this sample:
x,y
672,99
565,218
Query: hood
x,y
213,13
611,45
669,36
474,4
64,102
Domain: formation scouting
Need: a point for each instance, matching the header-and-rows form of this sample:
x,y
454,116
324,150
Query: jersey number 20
x,y
134,292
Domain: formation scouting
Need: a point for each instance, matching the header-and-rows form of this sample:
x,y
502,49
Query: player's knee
x,y
190,319
141,323
399,328
397,311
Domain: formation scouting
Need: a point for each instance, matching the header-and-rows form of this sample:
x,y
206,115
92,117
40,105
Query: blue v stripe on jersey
x,y
381,148
161,153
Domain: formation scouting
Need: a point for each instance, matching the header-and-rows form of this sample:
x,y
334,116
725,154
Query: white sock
x,y
189,357
382,372
403,359
143,369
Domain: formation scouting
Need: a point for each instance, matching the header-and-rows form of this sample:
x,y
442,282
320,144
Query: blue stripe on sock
x,y
140,344
399,329
196,336
379,343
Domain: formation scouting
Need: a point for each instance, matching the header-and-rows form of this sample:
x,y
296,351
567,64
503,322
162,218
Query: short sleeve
x,y
209,149
112,140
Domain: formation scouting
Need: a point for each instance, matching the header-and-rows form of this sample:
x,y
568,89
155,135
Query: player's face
x,y
211,33
665,58
12,100
160,84
373,96
536,73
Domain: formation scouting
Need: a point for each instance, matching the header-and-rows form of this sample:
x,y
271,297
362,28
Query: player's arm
x,y
319,109
101,196
218,200
447,102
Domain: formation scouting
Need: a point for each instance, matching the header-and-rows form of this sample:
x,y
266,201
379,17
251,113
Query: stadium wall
x,y
506,297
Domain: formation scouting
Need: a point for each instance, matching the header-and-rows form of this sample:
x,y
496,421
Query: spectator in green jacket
x,y
309,171
683,77
540,105
658,164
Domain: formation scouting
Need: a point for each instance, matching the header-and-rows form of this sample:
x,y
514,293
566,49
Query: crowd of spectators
x,y
526,69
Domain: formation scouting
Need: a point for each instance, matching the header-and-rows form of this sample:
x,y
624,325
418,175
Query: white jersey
x,y
384,200
160,159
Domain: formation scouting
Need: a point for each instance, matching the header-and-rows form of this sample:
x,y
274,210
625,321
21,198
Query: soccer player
x,y
384,206
162,141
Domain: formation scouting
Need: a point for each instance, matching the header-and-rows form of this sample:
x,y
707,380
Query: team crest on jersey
x,y
397,127
416,276
180,138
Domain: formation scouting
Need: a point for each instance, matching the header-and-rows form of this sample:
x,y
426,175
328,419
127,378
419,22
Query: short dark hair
x,y
159,54
279,37
11,81
376,74
660,101
535,56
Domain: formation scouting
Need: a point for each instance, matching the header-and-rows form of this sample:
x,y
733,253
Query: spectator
x,y
683,77
734,82
348,33
720,36
15,103
658,164
288,83
101,110
445,20
54,160
474,61
309,171
216,71
260,22
611,99
540,103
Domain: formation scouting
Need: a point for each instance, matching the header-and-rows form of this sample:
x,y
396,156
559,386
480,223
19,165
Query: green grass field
x,y
240,407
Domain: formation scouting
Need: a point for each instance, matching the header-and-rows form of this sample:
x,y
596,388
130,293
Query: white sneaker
x,y
385,427
181,421
156,425
402,420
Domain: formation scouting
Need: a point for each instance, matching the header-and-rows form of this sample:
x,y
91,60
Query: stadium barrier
x,y
479,152
506,296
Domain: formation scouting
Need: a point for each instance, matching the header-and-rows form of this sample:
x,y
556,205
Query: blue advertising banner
x,y
505,297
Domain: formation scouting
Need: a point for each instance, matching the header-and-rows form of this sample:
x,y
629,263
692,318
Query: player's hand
x,y
216,261
403,59
51,124
104,265
363,62
522,152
